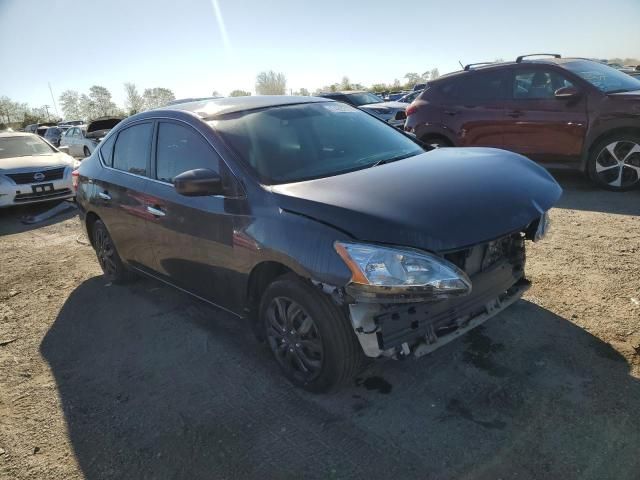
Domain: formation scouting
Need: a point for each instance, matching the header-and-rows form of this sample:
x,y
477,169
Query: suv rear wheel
x,y
311,339
614,162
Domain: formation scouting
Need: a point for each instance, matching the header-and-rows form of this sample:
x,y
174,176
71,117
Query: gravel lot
x,y
101,382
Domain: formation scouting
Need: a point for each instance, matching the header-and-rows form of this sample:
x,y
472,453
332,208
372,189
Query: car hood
x,y
34,161
391,106
442,200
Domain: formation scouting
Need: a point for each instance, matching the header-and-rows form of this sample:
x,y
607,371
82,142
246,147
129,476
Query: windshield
x,y
603,77
312,140
364,98
23,146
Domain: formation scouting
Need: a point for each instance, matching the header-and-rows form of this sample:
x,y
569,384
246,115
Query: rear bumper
x,y
419,328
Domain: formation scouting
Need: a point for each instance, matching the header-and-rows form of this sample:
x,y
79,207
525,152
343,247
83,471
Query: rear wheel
x,y
310,338
113,268
614,162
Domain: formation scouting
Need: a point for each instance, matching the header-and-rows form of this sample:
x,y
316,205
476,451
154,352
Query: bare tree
x,y
101,101
304,92
271,83
412,79
133,103
157,97
215,93
435,73
240,93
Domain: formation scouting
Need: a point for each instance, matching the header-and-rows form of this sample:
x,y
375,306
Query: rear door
x,y
191,237
120,192
475,108
539,125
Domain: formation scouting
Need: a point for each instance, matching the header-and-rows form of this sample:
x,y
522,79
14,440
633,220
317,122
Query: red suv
x,y
562,112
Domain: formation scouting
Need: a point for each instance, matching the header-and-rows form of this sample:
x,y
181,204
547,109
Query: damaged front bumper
x,y
400,329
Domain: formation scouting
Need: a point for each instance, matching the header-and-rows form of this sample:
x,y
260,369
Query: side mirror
x,y
200,182
64,149
567,93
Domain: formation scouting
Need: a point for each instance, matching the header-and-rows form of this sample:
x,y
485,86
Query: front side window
x,y
603,77
538,84
132,148
180,148
23,146
312,140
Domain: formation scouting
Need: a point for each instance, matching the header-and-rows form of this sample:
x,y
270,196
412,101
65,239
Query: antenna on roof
x,y
461,65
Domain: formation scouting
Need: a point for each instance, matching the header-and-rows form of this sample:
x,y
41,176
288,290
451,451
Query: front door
x,y
191,237
540,126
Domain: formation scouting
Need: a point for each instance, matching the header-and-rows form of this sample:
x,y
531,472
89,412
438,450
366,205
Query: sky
x,y
196,46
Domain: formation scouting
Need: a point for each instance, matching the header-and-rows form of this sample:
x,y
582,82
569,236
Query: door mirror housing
x,y
199,182
64,149
567,93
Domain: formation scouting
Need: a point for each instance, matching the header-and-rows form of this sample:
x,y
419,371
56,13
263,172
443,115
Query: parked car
x,y
562,112
31,170
410,97
394,96
391,112
337,235
82,141
53,135
70,123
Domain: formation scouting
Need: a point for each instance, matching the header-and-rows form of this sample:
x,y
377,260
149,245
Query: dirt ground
x,y
106,382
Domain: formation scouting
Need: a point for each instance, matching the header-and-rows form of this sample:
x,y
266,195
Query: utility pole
x,y
46,107
55,107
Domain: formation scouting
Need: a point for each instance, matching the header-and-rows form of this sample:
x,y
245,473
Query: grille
x,y
481,257
26,197
51,174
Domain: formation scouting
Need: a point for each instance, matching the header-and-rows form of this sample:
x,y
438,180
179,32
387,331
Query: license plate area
x,y
42,188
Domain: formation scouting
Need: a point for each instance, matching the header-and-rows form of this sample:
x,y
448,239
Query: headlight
x,y
392,270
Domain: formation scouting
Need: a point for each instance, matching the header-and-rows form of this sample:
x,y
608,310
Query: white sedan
x,y
82,140
32,170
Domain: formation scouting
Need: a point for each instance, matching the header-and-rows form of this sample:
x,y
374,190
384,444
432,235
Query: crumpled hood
x,y
9,165
442,200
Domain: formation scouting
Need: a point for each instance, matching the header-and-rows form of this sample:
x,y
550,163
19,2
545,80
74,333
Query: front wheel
x,y
310,338
614,163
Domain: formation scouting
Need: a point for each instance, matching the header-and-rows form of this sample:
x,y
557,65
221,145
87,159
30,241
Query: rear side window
x,y
180,148
106,150
131,152
477,87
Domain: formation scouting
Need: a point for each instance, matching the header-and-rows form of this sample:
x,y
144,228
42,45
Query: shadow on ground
x,y
581,194
10,218
156,385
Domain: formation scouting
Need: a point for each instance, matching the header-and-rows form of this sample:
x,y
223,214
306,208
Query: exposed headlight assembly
x,y
379,271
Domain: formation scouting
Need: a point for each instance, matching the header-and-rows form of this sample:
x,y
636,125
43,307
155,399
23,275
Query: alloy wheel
x,y
294,339
105,252
618,164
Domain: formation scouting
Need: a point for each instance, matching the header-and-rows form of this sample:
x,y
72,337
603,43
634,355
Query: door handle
x,y
451,112
104,196
515,113
156,212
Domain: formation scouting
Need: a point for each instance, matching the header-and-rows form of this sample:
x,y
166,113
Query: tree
x,y
133,103
434,74
215,93
271,83
240,93
304,92
101,102
70,104
157,97
412,79
11,112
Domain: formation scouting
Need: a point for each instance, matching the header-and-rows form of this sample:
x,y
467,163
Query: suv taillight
x,y
74,179
411,109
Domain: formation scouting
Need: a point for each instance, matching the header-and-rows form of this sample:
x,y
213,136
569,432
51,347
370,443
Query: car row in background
x,y
32,170
391,112
561,112
81,140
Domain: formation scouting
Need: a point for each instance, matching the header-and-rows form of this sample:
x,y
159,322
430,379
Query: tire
x,y
306,331
114,270
614,162
86,151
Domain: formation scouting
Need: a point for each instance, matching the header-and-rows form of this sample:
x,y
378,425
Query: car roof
x,y
342,92
212,108
17,134
483,67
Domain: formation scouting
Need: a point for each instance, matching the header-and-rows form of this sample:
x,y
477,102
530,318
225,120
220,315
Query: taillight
x,y
411,109
75,176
